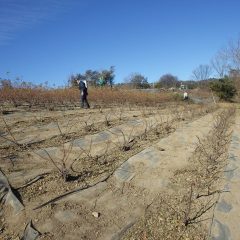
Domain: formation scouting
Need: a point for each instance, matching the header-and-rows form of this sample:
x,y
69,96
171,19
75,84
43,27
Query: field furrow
x,y
120,170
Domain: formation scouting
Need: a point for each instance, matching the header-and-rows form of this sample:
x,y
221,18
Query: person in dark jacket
x,y
83,92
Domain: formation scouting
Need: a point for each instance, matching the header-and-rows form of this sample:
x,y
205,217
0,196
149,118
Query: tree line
x,y
94,78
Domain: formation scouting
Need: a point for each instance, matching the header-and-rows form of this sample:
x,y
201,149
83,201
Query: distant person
x,y
83,92
185,96
101,82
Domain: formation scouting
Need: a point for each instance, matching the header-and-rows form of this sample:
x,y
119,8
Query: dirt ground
x,y
109,163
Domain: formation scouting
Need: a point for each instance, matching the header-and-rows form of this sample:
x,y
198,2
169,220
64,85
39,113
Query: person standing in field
x,y
84,93
185,96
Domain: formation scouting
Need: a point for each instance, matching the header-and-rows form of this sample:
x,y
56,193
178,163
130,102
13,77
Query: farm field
x,y
119,120
119,172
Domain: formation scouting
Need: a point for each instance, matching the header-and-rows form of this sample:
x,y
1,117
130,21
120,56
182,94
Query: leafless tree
x,y
220,63
202,72
234,54
227,59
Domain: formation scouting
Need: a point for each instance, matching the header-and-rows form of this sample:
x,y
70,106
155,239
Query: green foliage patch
x,y
224,88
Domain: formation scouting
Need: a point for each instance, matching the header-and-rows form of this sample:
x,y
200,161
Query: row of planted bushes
x,y
39,96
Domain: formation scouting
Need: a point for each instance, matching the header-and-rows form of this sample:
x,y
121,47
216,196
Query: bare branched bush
x,y
63,165
90,157
149,125
143,110
11,137
107,117
89,124
162,127
120,113
124,141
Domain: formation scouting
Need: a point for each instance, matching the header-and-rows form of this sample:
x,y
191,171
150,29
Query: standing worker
x,y
185,96
83,92
101,81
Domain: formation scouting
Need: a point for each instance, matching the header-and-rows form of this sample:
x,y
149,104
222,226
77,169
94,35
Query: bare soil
x,y
89,170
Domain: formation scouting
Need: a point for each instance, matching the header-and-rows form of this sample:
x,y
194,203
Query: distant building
x,y
182,86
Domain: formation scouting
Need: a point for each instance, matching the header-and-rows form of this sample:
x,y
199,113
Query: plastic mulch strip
x,y
7,196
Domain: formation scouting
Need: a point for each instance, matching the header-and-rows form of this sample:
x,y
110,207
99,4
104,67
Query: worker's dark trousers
x,y
84,101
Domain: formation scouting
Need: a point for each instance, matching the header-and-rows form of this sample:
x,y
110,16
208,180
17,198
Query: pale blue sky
x,y
48,40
